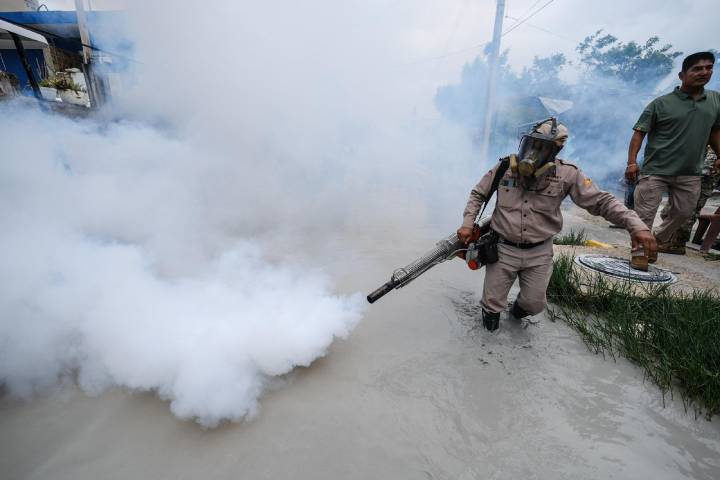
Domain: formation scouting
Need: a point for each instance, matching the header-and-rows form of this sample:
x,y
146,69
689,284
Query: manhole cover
x,y
620,268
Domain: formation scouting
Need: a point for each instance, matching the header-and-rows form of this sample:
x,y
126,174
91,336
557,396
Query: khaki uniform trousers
x,y
683,192
682,235
533,266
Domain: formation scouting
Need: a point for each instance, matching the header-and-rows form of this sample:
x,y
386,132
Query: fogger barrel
x,y
445,249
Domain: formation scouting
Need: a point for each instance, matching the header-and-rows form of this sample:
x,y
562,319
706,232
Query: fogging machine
x,y
481,250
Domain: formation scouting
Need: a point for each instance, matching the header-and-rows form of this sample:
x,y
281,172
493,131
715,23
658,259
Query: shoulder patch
x,y
587,182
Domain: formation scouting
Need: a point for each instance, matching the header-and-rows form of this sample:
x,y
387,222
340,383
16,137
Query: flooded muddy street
x,y
419,390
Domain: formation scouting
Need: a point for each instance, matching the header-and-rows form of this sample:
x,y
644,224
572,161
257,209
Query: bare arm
x,y
632,170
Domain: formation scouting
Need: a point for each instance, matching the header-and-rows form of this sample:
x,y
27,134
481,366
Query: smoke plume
x,y
170,243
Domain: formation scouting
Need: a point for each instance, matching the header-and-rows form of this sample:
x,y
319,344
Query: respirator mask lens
x,y
535,152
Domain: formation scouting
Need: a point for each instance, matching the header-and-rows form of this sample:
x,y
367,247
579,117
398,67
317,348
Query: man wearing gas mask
x,y
530,188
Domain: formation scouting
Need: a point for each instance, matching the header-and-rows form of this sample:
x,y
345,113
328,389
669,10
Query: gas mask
x,y
537,151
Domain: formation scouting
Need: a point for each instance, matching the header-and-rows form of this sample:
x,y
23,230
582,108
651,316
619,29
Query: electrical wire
x,y
544,30
528,10
482,45
449,54
454,27
527,18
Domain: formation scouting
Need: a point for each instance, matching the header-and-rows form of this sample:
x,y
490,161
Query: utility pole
x,y
84,34
94,94
26,64
493,67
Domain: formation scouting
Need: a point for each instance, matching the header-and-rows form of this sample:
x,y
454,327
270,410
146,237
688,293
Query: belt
x,y
523,246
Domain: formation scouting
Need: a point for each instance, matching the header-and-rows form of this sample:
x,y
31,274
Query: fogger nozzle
x,y
380,292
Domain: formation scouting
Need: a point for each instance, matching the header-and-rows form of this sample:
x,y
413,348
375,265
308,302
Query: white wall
x,y
17,5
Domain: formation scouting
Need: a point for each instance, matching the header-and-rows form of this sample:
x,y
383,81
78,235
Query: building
x,y
36,51
67,48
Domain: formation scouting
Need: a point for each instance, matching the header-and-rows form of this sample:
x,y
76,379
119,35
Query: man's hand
x,y
631,172
464,234
647,240
636,141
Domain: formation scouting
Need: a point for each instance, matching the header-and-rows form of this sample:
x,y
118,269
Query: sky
x,y
438,28
450,28
428,41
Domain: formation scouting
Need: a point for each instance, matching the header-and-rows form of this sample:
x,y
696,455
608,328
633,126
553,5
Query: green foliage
x,y
674,337
465,102
571,238
619,80
630,62
61,82
542,77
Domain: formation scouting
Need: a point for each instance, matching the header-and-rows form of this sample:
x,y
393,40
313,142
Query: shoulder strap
x,y
499,173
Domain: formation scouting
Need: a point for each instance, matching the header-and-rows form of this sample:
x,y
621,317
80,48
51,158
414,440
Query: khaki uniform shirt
x,y
529,216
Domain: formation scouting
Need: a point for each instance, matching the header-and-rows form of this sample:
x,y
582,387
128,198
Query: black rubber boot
x,y
517,312
491,321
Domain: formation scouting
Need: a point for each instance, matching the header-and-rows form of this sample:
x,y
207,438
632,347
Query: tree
x,y
630,62
619,79
465,101
542,77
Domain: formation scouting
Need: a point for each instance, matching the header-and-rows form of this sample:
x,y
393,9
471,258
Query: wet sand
x,y
417,391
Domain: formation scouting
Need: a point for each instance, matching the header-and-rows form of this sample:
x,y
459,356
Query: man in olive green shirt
x,y
678,125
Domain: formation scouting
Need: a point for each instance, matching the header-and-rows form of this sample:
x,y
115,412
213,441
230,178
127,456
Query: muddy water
x,y
417,391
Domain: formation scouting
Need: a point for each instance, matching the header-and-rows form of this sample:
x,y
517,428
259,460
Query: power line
x,y
531,7
449,54
527,18
458,14
452,31
544,30
482,45
526,11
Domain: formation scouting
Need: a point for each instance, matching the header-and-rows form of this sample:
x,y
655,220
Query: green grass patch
x,y
673,336
572,238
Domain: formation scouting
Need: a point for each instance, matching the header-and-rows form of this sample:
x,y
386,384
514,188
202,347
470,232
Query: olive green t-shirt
x,y
678,129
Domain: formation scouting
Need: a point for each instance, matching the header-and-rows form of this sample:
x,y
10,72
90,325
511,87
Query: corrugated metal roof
x,y
555,105
23,32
